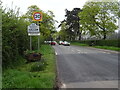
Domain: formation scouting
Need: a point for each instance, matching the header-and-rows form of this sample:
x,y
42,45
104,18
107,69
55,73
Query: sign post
x,y
33,30
30,43
38,43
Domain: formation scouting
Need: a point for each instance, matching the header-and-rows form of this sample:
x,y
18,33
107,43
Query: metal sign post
x,y
33,30
38,38
38,43
30,43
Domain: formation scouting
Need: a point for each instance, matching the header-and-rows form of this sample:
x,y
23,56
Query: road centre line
x,y
63,85
56,53
83,52
73,50
107,52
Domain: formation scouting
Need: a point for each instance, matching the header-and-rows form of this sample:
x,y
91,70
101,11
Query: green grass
x,y
23,77
78,44
108,48
101,47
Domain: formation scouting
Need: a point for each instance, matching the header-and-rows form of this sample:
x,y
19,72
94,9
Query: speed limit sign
x,y
37,16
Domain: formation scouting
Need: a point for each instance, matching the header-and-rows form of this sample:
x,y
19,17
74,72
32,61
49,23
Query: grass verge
x,y
23,77
101,47
108,48
78,44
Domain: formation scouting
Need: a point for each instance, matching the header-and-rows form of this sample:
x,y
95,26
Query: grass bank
x,y
33,75
101,47
108,48
78,44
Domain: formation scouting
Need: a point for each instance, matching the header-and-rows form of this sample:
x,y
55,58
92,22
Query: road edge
x,y
58,83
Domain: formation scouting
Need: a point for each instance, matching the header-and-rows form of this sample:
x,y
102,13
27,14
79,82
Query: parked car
x,y
60,42
53,43
49,42
46,42
65,43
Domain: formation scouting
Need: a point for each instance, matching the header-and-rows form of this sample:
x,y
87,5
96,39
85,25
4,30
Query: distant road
x,y
83,67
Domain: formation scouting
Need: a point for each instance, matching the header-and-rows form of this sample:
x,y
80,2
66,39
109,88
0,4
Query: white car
x,y
49,42
65,43
60,42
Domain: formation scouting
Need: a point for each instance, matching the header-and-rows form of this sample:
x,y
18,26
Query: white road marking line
x,y
56,53
63,85
85,52
107,52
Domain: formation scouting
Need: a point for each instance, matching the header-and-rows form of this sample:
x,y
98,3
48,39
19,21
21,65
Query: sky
x,y
57,6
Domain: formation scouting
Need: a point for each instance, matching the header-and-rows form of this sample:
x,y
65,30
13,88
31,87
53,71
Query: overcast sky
x,y
57,6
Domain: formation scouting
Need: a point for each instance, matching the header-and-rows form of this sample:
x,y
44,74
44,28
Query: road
x,y
84,67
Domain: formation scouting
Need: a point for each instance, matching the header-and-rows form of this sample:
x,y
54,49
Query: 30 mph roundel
x,y
37,16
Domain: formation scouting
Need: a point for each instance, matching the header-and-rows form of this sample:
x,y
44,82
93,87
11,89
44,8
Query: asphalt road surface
x,y
84,67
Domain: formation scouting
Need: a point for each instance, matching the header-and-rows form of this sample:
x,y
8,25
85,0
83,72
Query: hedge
x,y
115,43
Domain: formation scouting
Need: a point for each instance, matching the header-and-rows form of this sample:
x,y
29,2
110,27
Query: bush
x,y
14,37
38,66
108,43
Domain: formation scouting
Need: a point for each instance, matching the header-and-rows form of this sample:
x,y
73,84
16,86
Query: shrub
x,y
14,37
38,66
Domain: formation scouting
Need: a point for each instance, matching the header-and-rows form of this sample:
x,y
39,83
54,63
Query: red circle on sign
x,y
35,16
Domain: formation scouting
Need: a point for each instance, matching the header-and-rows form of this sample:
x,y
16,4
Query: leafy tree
x,y
72,20
46,25
29,13
62,33
72,23
99,18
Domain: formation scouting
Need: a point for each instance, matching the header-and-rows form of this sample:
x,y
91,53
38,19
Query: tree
x,y
72,24
46,25
29,13
99,18
72,20
63,35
